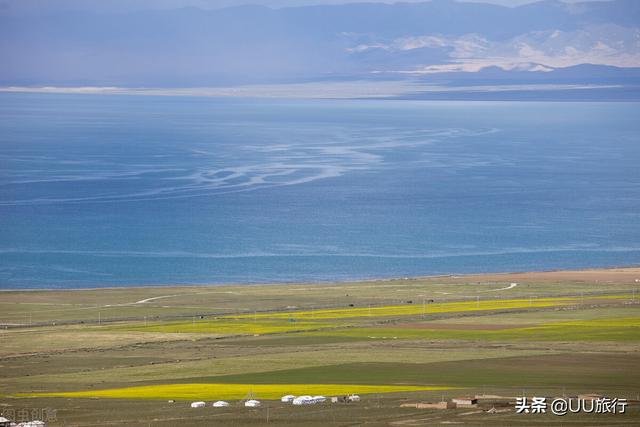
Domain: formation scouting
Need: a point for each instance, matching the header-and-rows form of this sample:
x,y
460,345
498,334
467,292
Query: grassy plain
x,y
611,329
411,309
91,305
116,356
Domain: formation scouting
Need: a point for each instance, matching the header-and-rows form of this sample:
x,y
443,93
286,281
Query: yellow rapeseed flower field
x,y
417,309
234,391
242,326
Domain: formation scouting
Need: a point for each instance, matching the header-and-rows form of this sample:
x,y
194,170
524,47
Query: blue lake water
x,y
127,190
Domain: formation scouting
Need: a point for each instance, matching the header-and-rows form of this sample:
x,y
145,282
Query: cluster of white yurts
x,y
312,400
303,400
289,398
218,404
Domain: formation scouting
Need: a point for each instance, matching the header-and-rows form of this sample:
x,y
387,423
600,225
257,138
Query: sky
x,y
164,44
125,5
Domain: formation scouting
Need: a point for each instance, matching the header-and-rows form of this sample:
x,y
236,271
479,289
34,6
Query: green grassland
x,y
547,337
557,370
612,329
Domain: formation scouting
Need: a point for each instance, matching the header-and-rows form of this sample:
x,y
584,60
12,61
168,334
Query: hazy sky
x,y
123,5
294,2
277,3
44,43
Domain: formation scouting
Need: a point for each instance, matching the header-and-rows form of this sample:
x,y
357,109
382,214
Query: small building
x,y
4,422
198,404
288,398
430,405
252,403
220,404
319,399
354,398
465,401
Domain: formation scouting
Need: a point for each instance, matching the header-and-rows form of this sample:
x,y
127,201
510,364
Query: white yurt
x,y
252,403
354,398
220,404
198,404
288,398
319,399
303,400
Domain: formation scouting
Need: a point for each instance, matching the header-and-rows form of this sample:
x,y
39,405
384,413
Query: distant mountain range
x,y
440,41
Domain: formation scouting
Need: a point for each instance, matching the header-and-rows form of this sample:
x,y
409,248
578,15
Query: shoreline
x,y
357,90
632,271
